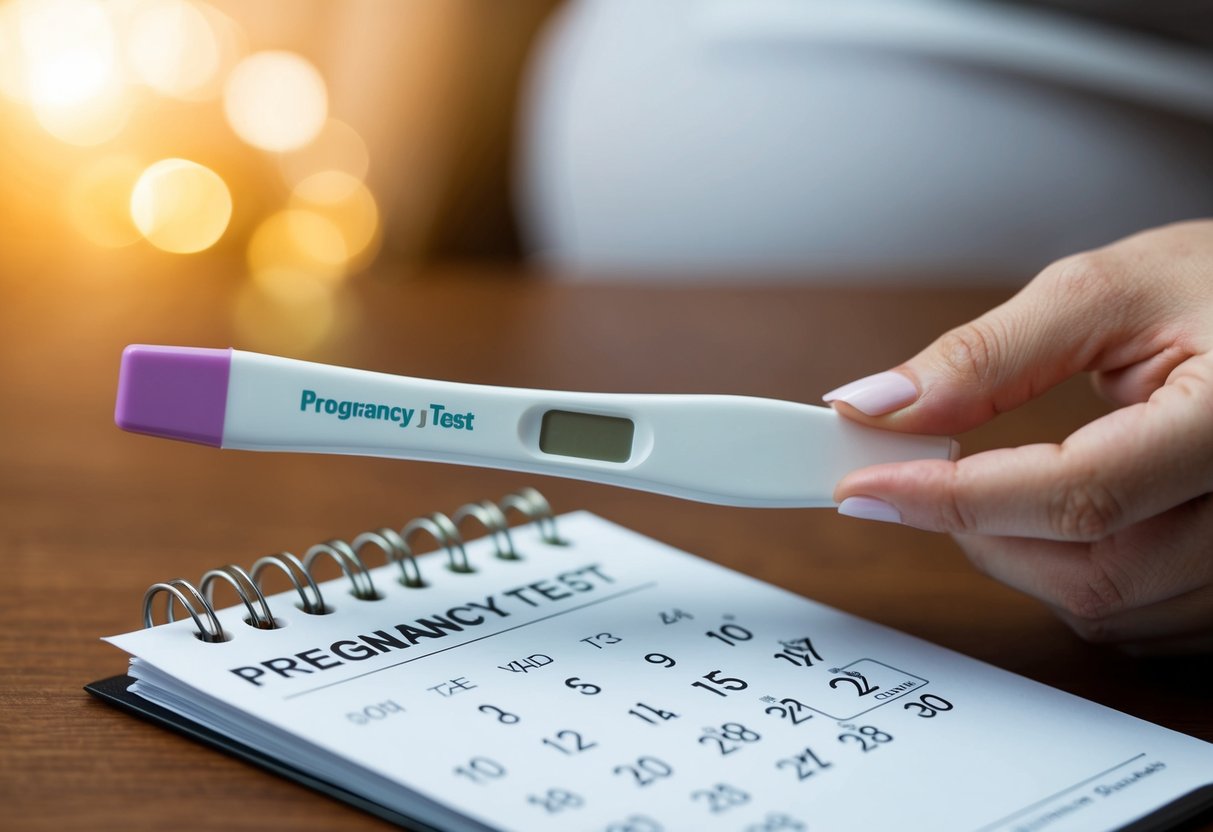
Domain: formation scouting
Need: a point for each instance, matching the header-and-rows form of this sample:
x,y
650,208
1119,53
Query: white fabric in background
x,y
910,139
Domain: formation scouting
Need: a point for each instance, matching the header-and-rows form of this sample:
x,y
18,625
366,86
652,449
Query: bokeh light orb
x,y
181,206
276,101
172,48
70,49
300,243
346,203
87,123
67,63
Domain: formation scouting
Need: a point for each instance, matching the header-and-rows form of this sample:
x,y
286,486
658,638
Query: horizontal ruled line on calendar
x,y
595,602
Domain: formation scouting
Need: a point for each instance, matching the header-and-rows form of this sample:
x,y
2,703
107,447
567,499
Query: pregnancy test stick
x,y
730,450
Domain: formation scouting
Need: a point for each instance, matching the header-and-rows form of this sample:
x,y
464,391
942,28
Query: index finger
x,y
1141,299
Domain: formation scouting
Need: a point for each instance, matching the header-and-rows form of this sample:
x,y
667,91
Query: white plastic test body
x,y
729,450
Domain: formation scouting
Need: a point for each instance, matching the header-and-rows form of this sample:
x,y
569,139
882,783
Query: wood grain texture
x,y
91,516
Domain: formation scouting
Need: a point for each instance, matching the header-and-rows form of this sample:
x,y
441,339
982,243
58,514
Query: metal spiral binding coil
x,y
248,590
396,547
395,550
189,596
534,506
493,519
443,530
351,565
293,567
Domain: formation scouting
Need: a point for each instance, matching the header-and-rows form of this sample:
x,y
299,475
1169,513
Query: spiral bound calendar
x,y
570,674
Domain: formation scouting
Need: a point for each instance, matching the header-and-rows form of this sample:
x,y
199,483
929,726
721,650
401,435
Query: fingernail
x,y
876,395
869,508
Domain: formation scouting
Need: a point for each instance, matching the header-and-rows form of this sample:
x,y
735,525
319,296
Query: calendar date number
x,y
929,705
721,797
729,737
556,800
645,771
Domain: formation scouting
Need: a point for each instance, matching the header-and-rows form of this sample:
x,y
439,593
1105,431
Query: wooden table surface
x,y
89,516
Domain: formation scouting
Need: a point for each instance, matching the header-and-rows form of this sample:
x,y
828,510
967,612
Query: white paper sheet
x,y
618,684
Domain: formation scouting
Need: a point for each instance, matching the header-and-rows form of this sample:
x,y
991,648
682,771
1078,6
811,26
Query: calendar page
x,y
617,684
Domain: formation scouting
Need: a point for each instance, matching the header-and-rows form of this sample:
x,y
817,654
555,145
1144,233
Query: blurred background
x,y
758,197
283,148
273,149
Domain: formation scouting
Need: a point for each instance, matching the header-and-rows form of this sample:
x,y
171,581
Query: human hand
x,y
1113,527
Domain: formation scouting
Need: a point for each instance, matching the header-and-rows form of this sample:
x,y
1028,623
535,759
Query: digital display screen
x,y
586,436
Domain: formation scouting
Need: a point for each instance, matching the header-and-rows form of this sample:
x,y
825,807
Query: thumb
x,y
1058,325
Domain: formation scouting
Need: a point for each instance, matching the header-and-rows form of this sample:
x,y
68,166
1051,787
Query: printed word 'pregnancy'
x,y
436,415
361,647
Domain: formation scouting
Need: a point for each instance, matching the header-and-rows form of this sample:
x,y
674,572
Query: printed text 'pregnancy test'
x,y
731,450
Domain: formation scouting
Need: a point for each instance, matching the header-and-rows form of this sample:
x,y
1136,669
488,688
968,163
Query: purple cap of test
x,y
175,392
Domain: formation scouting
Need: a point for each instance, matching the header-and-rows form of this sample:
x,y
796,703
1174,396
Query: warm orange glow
x,y
181,206
337,147
276,101
291,286
88,72
230,47
346,203
70,50
269,322
69,68
172,48
12,68
298,242
90,122
98,201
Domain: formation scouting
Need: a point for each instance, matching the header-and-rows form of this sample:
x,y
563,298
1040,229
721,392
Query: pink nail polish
x,y
869,508
876,395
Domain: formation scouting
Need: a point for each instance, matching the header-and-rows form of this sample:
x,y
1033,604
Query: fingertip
x,y
876,395
869,508
915,489
899,400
